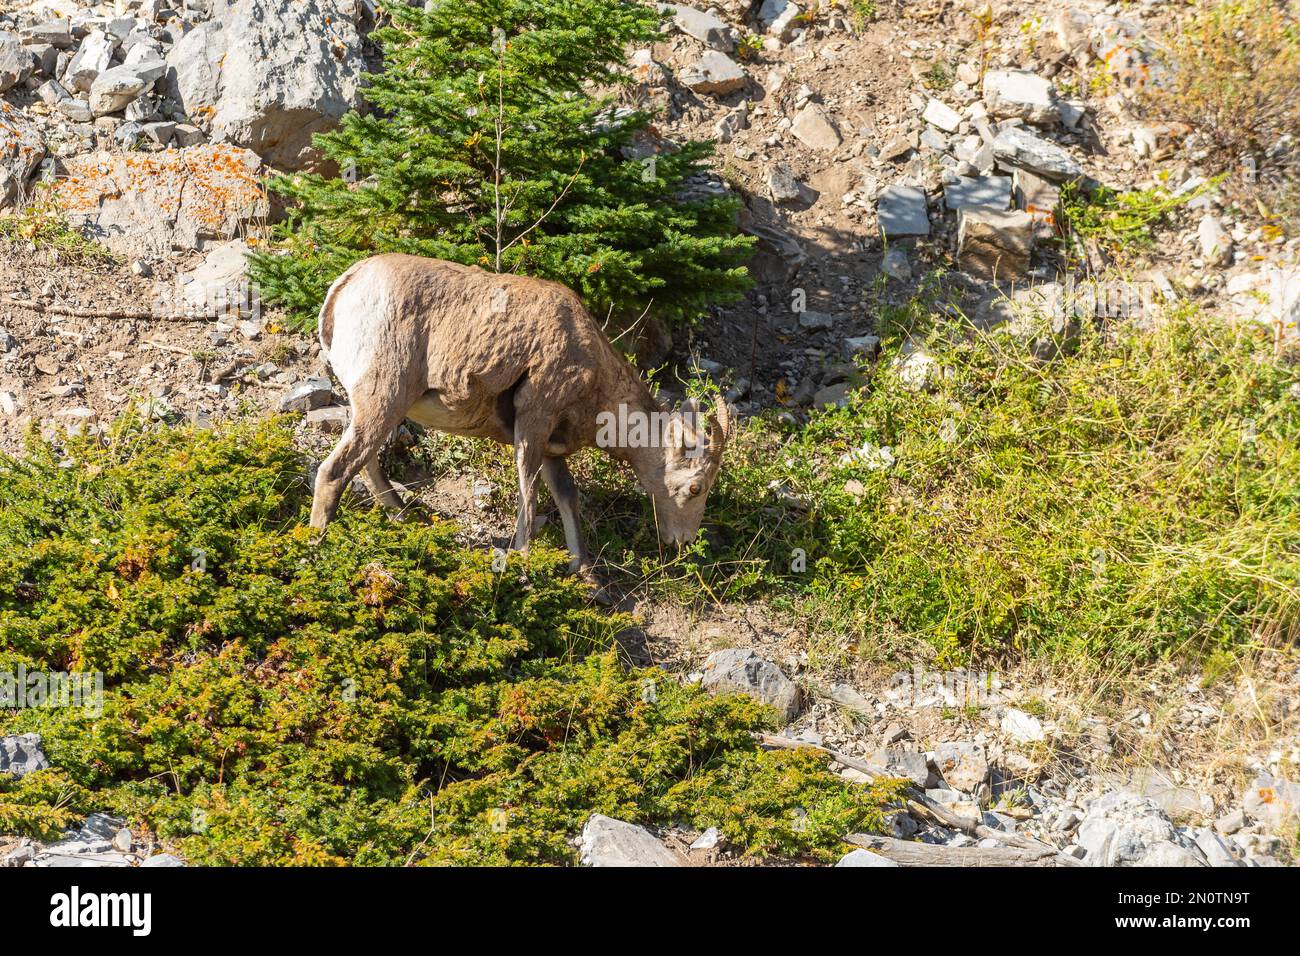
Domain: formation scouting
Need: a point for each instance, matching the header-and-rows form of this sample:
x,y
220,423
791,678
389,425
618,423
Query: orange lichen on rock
x,y
169,199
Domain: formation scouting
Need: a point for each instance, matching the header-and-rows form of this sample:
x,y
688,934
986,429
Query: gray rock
x,y
115,88
833,396
1218,851
101,827
707,840
219,277
163,859
994,243
57,33
864,858
940,114
904,763
900,824
740,670
52,93
777,17
933,139
330,419
306,395
846,695
782,183
714,73
1021,727
895,265
75,110
21,754
1273,801
1231,823
813,128
128,135
161,133
16,62
94,56
1019,93
903,211
1019,147
1124,829
812,319
1215,243
963,766
1169,795
21,151
19,855
269,74
994,191
610,842
732,122
705,27
862,345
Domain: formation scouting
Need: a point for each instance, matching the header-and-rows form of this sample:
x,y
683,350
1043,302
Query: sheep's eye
x,y
694,488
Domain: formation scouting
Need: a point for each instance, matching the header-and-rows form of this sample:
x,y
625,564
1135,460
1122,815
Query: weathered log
x,y
910,853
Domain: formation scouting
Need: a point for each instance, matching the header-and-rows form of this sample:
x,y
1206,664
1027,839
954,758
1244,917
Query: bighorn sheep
x,y
515,359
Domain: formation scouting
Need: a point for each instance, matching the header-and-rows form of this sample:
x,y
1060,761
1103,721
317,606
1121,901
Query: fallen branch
x,y
127,314
911,853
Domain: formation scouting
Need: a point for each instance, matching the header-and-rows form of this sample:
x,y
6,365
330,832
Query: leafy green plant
x,y
862,12
1121,220
485,145
380,696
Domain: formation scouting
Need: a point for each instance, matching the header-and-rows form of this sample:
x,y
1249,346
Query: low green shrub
x,y
381,697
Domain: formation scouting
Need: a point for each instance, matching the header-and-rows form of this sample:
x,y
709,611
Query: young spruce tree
x,y
485,145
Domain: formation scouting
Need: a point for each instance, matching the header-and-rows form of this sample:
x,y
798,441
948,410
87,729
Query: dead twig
x,y
126,314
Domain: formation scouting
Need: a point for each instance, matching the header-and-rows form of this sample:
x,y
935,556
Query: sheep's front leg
x,y
559,481
528,461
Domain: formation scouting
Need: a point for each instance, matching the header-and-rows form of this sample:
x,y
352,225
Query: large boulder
x,y
1124,829
269,75
150,203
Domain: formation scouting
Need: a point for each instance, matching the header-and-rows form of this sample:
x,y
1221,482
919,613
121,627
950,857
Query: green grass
x,y
1137,498
46,230
382,697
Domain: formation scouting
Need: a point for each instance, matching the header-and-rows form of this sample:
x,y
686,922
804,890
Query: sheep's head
x,y
691,457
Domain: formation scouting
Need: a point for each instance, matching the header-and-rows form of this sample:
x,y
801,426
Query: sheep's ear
x,y
690,412
683,437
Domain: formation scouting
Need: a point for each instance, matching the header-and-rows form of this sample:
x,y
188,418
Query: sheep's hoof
x,y
598,593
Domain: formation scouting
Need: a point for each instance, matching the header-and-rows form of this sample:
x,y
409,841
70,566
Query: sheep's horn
x,y
722,424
